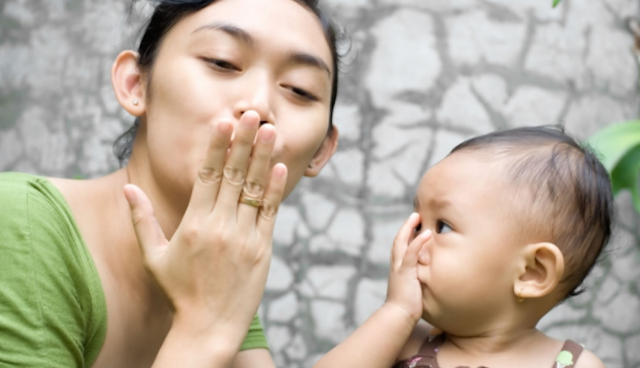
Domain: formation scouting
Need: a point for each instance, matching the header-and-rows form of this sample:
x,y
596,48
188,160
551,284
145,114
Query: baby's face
x,y
468,268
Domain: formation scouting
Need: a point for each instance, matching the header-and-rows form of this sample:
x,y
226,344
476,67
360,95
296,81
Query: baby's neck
x,y
496,341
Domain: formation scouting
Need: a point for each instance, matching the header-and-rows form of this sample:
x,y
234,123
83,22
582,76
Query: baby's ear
x,y
541,271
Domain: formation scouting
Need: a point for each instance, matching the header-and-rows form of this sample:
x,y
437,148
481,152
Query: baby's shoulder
x,y
589,360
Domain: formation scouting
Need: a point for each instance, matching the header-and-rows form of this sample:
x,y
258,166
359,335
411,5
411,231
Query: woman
x,y
234,100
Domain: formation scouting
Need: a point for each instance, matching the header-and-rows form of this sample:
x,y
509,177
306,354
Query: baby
x,y
506,227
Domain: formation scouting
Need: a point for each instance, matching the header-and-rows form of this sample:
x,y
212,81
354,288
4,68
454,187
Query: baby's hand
x,y
404,290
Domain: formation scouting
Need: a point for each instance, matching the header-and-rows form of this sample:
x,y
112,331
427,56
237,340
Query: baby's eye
x,y
418,228
442,227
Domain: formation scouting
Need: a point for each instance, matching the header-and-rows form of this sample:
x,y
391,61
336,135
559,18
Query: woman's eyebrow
x,y
233,31
309,60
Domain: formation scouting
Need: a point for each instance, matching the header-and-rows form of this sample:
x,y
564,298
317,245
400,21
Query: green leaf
x,y
626,175
619,147
556,2
615,141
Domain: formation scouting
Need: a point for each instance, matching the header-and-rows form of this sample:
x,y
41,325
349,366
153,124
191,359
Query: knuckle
x,y
269,211
191,234
209,176
254,189
234,175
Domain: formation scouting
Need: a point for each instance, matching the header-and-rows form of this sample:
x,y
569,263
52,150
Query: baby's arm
x,y
381,338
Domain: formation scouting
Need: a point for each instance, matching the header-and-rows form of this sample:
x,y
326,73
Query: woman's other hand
x,y
214,268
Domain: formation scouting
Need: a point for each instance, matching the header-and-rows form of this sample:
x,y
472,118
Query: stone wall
x,y
420,77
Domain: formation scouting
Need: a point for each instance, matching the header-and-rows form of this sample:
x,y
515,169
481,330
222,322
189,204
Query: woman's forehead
x,y
269,23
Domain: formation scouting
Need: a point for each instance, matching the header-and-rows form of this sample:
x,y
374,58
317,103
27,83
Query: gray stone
x,y
632,347
20,11
370,295
318,210
279,337
531,106
382,180
286,224
405,41
327,281
101,14
384,231
591,112
542,10
445,141
473,38
492,90
50,45
284,308
620,314
435,5
461,108
390,141
349,166
321,243
328,318
611,61
558,53
348,120
10,148
347,231
625,265
280,277
297,349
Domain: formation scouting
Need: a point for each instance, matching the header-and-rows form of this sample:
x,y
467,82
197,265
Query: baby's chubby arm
x,y
381,338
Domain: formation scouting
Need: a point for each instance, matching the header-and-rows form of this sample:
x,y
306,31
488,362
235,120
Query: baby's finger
x,y
207,185
271,201
410,258
403,237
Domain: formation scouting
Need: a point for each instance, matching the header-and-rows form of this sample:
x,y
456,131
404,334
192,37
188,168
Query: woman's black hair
x,y
169,12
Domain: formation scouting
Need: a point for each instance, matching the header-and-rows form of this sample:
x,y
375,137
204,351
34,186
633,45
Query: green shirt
x,y
52,306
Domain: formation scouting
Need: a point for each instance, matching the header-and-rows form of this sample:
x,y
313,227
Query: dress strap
x,y
431,344
569,355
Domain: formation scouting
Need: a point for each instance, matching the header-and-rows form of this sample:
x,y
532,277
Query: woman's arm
x,y
214,268
381,338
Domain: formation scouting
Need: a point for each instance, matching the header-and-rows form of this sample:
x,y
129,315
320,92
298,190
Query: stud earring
x,y
135,102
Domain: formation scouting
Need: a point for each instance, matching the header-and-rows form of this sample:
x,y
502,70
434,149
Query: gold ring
x,y
251,201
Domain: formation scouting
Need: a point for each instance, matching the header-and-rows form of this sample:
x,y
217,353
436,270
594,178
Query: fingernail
x,y
225,127
130,194
267,133
250,121
279,170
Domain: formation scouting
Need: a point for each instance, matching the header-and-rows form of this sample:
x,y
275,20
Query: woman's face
x,y
230,57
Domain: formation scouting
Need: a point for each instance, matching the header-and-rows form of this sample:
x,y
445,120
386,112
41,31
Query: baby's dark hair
x,y
568,193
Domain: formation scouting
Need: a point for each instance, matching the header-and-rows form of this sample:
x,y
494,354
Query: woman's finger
x,y
209,178
235,169
257,176
150,236
402,239
271,202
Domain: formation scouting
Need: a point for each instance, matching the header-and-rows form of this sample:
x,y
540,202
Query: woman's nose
x,y
256,96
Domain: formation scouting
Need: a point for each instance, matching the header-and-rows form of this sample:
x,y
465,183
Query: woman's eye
x,y
442,227
303,94
221,64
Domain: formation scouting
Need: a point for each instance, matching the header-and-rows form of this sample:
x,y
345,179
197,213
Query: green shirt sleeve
x,y
255,338
52,306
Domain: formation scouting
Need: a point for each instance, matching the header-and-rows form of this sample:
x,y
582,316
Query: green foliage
x,y
619,145
556,2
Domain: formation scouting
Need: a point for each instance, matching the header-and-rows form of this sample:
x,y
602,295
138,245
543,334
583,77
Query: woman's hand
x,y
404,291
214,268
